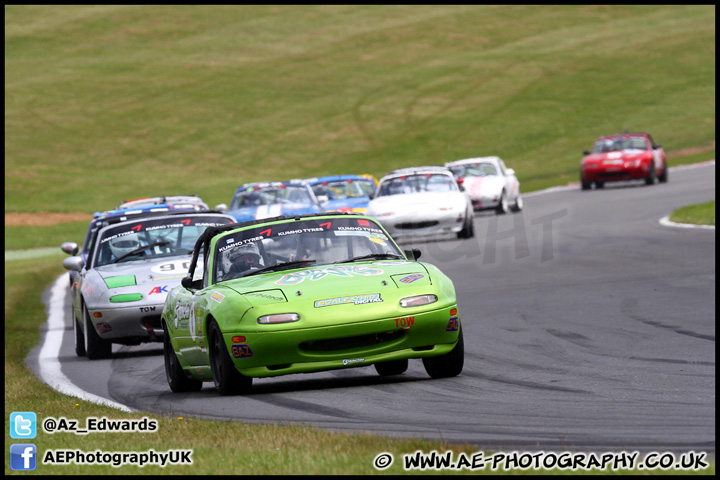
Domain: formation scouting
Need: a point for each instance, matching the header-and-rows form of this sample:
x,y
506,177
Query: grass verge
x,y
701,214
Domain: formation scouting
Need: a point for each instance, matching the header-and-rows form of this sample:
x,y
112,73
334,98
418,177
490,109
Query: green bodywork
x,y
350,315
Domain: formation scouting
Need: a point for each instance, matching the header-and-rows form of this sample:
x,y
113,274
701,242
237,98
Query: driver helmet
x,y
121,245
253,199
242,258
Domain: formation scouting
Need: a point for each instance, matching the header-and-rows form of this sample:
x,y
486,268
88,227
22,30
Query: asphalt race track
x,y
588,327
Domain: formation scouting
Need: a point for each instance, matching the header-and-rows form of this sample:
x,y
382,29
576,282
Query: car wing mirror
x,y
221,207
71,248
586,152
189,284
74,263
413,254
510,171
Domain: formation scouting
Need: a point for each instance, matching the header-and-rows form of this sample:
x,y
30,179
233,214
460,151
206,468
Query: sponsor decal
x,y
314,275
163,289
168,277
177,266
182,312
191,322
452,325
218,297
241,350
405,323
355,299
347,361
263,295
103,327
147,309
411,278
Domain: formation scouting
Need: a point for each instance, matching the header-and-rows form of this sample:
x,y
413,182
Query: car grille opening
x,y
152,320
424,348
347,343
414,225
279,366
612,174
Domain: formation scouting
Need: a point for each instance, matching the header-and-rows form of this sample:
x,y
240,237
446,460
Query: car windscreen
x,y
344,189
152,237
620,143
426,182
282,194
475,170
305,242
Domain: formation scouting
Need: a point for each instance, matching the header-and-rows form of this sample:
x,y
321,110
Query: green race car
x,y
304,294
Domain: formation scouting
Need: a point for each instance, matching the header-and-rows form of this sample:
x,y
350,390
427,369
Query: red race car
x,y
625,156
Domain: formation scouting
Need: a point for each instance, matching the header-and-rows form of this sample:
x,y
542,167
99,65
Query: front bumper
x,y
405,226
628,171
134,324
284,352
483,203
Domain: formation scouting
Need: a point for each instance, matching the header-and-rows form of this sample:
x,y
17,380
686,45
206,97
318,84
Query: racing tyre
x,y
650,179
468,230
393,367
586,185
518,204
663,178
503,207
176,378
228,380
599,184
448,365
79,337
95,347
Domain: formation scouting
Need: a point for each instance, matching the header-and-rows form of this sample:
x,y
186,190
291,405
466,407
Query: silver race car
x,y
119,292
422,201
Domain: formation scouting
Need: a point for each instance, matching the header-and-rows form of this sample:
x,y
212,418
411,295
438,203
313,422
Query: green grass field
x,y
105,103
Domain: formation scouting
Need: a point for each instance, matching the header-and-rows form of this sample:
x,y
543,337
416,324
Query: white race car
x,y
422,201
490,184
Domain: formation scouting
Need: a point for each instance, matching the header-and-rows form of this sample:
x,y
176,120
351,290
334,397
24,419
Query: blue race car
x,y
343,193
255,201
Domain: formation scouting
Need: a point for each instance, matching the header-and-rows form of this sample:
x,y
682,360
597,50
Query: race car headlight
x,y
418,300
278,318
